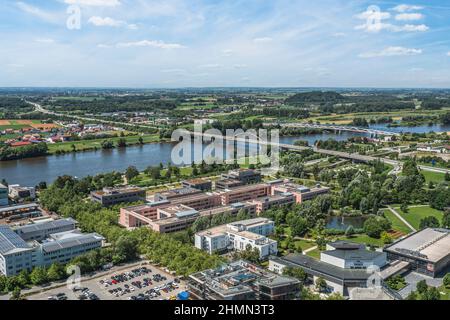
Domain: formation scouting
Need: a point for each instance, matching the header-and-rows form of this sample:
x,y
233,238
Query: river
x,y
29,172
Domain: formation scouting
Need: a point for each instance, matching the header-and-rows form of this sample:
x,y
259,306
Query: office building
x,y
245,193
17,254
41,230
111,196
241,280
239,236
266,203
199,184
426,251
237,178
174,194
301,193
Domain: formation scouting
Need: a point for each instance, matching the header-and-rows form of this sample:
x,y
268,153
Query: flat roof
x,y
19,207
352,254
10,241
37,226
309,263
430,244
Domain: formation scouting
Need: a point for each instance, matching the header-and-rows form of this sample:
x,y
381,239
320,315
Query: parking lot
x,y
144,282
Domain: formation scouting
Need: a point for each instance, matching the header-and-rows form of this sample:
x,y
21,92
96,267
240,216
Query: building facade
x,y
111,196
3,195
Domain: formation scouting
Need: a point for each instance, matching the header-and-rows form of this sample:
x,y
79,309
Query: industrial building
x,y
343,265
111,196
241,280
18,212
426,251
17,253
239,236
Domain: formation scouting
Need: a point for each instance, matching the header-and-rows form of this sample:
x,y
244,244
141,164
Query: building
x,y
239,236
426,251
301,193
18,212
176,193
18,193
199,184
3,195
111,196
237,178
41,230
266,203
343,266
17,254
245,193
241,280
64,246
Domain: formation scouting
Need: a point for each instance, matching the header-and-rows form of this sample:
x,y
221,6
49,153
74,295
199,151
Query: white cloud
x,y
373,14
150,43
406,8
44,40
227,53
37,12
448,53
94,3
210,66
377,27
109,22
409,16
391,52
262,40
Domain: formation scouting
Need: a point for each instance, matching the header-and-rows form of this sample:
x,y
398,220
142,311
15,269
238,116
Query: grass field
x,y
397,224
314,254
85,145
415,214
435,177
365,239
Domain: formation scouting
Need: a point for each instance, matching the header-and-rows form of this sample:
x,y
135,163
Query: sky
x,y
225,43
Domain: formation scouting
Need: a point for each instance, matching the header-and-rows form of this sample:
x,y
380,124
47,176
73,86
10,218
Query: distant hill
x,y
314,97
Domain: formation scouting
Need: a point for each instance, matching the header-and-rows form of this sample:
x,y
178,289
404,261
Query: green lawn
x,y
397,224
314,254
415,214
435,177
92,144
446,293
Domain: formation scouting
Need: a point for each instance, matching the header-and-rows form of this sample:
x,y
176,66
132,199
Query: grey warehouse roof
x,y
46,225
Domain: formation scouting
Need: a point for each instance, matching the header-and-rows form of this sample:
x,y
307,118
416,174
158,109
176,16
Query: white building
x,y
239,236
16,192
16,254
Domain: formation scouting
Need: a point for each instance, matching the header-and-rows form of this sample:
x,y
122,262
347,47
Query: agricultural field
x,y
415,214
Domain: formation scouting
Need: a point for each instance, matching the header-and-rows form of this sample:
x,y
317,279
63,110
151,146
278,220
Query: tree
x,y
412,296
126,249
404,207
447,176
422,287
140,140
106,144
321,284
56,272
386,237
297,273
374,226
121,143
432,294
16,294
131,173
429,222
38,276
299,226
446,280
446,219
74,147
23,278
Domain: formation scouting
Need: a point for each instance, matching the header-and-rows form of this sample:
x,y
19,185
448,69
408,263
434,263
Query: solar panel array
x,y
9,240
68,243
46,225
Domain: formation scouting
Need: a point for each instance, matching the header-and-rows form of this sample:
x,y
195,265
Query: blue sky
x,y
209,43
